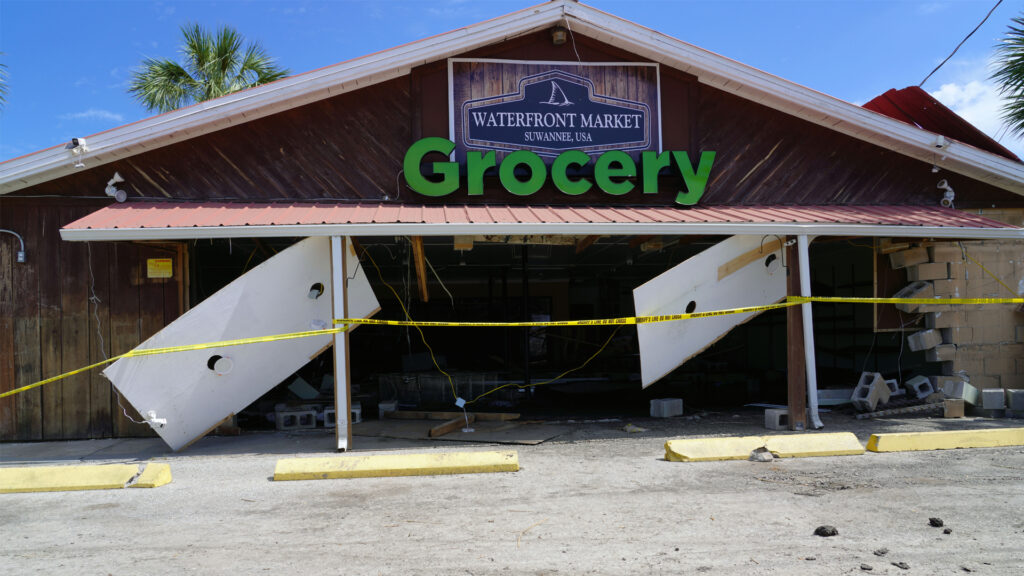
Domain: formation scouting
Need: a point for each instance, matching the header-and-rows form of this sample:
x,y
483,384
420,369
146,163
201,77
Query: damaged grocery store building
x,y
554,164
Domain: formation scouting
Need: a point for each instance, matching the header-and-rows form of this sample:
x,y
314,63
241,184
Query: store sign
x,y
550,107
524,172
552,112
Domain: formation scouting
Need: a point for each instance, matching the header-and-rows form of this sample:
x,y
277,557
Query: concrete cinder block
x,y
924,340
1016,400
945,319
666,407
945,253
957,388
941,353
295,418
905,258
870,392
919,387
929,271
894,388
959,335
776,419
914,290
953,408
330,418
1018,332
993,399
949,288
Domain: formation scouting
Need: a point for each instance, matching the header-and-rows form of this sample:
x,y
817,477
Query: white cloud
x,y
978,101
93,114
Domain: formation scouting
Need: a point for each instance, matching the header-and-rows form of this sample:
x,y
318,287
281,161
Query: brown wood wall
x,y
48,324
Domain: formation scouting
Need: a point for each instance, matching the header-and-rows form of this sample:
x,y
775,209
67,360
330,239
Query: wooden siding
x,y
48,321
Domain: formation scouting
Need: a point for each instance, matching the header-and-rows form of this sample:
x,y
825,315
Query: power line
x,y
960,44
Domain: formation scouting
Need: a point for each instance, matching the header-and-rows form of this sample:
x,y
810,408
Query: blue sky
x,y
69,63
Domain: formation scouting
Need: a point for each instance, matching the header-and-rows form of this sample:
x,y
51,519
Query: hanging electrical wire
x,y
960,44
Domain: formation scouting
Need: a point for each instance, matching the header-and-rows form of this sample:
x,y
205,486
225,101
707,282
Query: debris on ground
x,y
947,531
935,522
826,531
901,565
881,552
631,429
867,567
761,455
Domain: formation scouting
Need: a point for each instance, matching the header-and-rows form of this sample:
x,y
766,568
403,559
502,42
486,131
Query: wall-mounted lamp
x,y
20,255
948,194
559,35
113,191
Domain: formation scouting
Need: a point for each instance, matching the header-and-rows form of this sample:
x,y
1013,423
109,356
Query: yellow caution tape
x,y
628,320
169,349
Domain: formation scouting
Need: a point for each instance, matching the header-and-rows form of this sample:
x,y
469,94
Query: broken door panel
x,y
735,273
184,395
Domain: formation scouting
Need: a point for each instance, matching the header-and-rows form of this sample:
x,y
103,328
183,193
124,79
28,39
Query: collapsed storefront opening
x,y
496,175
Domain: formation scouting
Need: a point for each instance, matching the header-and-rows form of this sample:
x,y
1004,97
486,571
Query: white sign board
x,y
196,390
755,278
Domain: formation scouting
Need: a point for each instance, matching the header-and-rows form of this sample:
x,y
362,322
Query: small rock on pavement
x,y
867,567
761,455
881,552
935,522
826,531
901,565
947,531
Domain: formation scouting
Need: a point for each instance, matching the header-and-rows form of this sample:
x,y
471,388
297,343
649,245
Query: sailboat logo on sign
x,y
558,97
555,111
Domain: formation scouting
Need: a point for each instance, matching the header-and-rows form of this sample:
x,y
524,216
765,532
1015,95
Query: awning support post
x,y
805,290
342,380
796,372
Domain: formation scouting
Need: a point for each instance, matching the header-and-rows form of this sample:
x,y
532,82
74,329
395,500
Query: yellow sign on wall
x,y
159,268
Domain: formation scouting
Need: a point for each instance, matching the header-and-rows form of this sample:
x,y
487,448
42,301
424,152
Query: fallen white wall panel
x,y
192,391
735,273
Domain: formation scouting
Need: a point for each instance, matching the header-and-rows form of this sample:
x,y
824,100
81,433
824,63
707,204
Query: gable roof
x,y
915,106
709,68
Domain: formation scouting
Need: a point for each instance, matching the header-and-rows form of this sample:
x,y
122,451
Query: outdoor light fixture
x,y
948,195
77,147
559,35
113,191
20,255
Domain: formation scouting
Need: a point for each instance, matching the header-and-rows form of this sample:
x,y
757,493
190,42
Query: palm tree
x,y
214,65
3,84
1009,75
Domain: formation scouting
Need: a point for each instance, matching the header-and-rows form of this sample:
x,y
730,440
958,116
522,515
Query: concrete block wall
x,y
985,342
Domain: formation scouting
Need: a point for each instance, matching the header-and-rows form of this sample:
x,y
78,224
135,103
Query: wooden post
x,y
342,380
796,366
421,267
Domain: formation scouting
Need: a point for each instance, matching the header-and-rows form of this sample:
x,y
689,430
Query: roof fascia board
x,y
577,229
261,101
775,92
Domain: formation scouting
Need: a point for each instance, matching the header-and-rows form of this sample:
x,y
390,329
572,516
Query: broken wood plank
x,y
743,259
421,267
905,410
429,415
451,425
585,243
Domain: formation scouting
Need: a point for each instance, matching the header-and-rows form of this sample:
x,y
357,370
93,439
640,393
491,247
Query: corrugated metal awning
x,y
177,221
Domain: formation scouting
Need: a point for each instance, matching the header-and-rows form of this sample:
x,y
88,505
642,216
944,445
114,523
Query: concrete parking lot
x,y
594,500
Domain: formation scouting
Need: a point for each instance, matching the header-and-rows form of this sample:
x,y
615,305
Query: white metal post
x,y
808,321
342,384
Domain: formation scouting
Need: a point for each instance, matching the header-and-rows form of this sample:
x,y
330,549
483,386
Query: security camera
x,y
75,144
948,194
941,142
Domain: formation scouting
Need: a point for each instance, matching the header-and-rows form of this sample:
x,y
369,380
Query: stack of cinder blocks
x,y
982,343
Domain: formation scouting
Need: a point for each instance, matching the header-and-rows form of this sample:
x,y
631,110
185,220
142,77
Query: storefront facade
x,y
542,165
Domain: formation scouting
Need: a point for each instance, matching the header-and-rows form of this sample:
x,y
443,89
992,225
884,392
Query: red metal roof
x,y
171,215
915,106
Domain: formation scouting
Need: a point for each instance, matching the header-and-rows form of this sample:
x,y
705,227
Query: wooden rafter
x,y
421,267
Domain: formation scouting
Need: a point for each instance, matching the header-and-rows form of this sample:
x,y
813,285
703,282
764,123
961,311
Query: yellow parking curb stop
x,y
396,465
155,474
65,478
781,446
946,440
